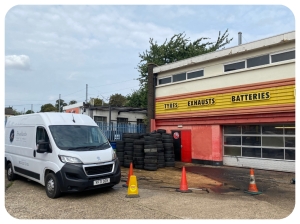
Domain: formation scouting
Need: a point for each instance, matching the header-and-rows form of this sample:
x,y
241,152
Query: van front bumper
x,y
74,178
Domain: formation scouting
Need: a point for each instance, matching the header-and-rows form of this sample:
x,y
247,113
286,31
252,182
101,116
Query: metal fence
x,y
115,131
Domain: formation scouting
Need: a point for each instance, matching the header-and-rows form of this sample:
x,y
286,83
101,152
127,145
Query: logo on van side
x,y
12,135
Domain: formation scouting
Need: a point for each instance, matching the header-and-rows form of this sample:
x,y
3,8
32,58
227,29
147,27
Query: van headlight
x,y
114,155
69,159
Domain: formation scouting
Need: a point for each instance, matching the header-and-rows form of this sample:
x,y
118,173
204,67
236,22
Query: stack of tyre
x,y
138,153
128,149
120,151
150,153
160,150
167,140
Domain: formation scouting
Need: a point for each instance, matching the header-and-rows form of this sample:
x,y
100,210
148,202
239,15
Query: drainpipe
x,y
151,96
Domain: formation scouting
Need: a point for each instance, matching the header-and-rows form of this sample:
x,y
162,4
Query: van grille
x,y
98,170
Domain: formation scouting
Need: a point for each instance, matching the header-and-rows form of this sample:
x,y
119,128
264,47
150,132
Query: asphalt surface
x,y
217,194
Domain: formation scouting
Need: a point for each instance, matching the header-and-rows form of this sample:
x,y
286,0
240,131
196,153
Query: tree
x,y
29,112
177,48
48,108
97,102
72,102
17,112
60,103
137,99
117,100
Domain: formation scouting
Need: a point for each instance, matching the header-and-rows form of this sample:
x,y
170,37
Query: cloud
x,y
20,62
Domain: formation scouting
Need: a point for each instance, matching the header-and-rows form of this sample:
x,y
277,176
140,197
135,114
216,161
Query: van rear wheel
x,y
52,186
11,176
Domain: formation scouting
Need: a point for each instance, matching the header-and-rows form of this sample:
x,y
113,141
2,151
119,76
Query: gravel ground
x,y
158,200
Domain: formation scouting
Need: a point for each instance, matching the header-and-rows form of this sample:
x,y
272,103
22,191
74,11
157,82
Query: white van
x,y
65,152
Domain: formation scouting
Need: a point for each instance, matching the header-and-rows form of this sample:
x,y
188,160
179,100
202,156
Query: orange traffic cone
x,y
183,183
252,189
129,174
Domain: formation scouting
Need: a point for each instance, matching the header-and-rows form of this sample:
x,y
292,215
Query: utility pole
x,y
31,108
86,96
59,103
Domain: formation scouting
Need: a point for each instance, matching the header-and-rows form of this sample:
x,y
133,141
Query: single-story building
x,y
232,107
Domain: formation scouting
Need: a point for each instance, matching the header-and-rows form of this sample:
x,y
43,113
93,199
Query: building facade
x,y
107,114
113,121
232,107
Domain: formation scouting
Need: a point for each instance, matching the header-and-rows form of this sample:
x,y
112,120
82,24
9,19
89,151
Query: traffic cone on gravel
x,y
130,173
252,189
183,183
133,191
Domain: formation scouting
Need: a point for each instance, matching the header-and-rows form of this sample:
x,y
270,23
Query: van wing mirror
x,y
42,146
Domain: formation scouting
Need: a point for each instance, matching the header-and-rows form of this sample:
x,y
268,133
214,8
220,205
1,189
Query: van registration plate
x,y
102,181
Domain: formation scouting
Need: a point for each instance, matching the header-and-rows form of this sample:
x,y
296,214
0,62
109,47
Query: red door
x,y
186,149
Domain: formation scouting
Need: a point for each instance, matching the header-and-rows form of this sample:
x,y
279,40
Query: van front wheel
x,y
11,176
52,186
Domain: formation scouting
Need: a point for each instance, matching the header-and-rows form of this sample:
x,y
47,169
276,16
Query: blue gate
x,y
115,131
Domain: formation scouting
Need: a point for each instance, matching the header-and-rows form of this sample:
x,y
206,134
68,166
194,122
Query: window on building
x,y
195,74
179,77
139,121
121,120
283,56
257,61
270,141
100,119
234,66
164,80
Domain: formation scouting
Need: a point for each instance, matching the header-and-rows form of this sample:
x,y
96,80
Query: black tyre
x,y
150,146
169,156
136,154
150,168
128,148
128,144
11,176
169,164
150,154
169,152
138,142
138,146
119,149
127,165
121,158
166,136
139,166
161,131
168,140
139,162
52,186
161,165
153,161
138,150
128,153
150,143
168,145
150,150
149,138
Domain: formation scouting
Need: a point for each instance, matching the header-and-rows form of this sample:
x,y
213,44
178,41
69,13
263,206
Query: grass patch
x,y
9,185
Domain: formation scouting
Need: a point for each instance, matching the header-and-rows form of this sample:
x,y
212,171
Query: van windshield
x,y
78,137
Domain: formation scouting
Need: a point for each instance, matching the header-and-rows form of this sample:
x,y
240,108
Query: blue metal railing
x,y
115,131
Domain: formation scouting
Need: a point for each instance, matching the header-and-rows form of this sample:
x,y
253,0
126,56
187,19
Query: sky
x,y
78,52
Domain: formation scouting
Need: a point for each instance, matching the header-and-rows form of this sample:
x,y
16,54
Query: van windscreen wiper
x,y
83,147
91,147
